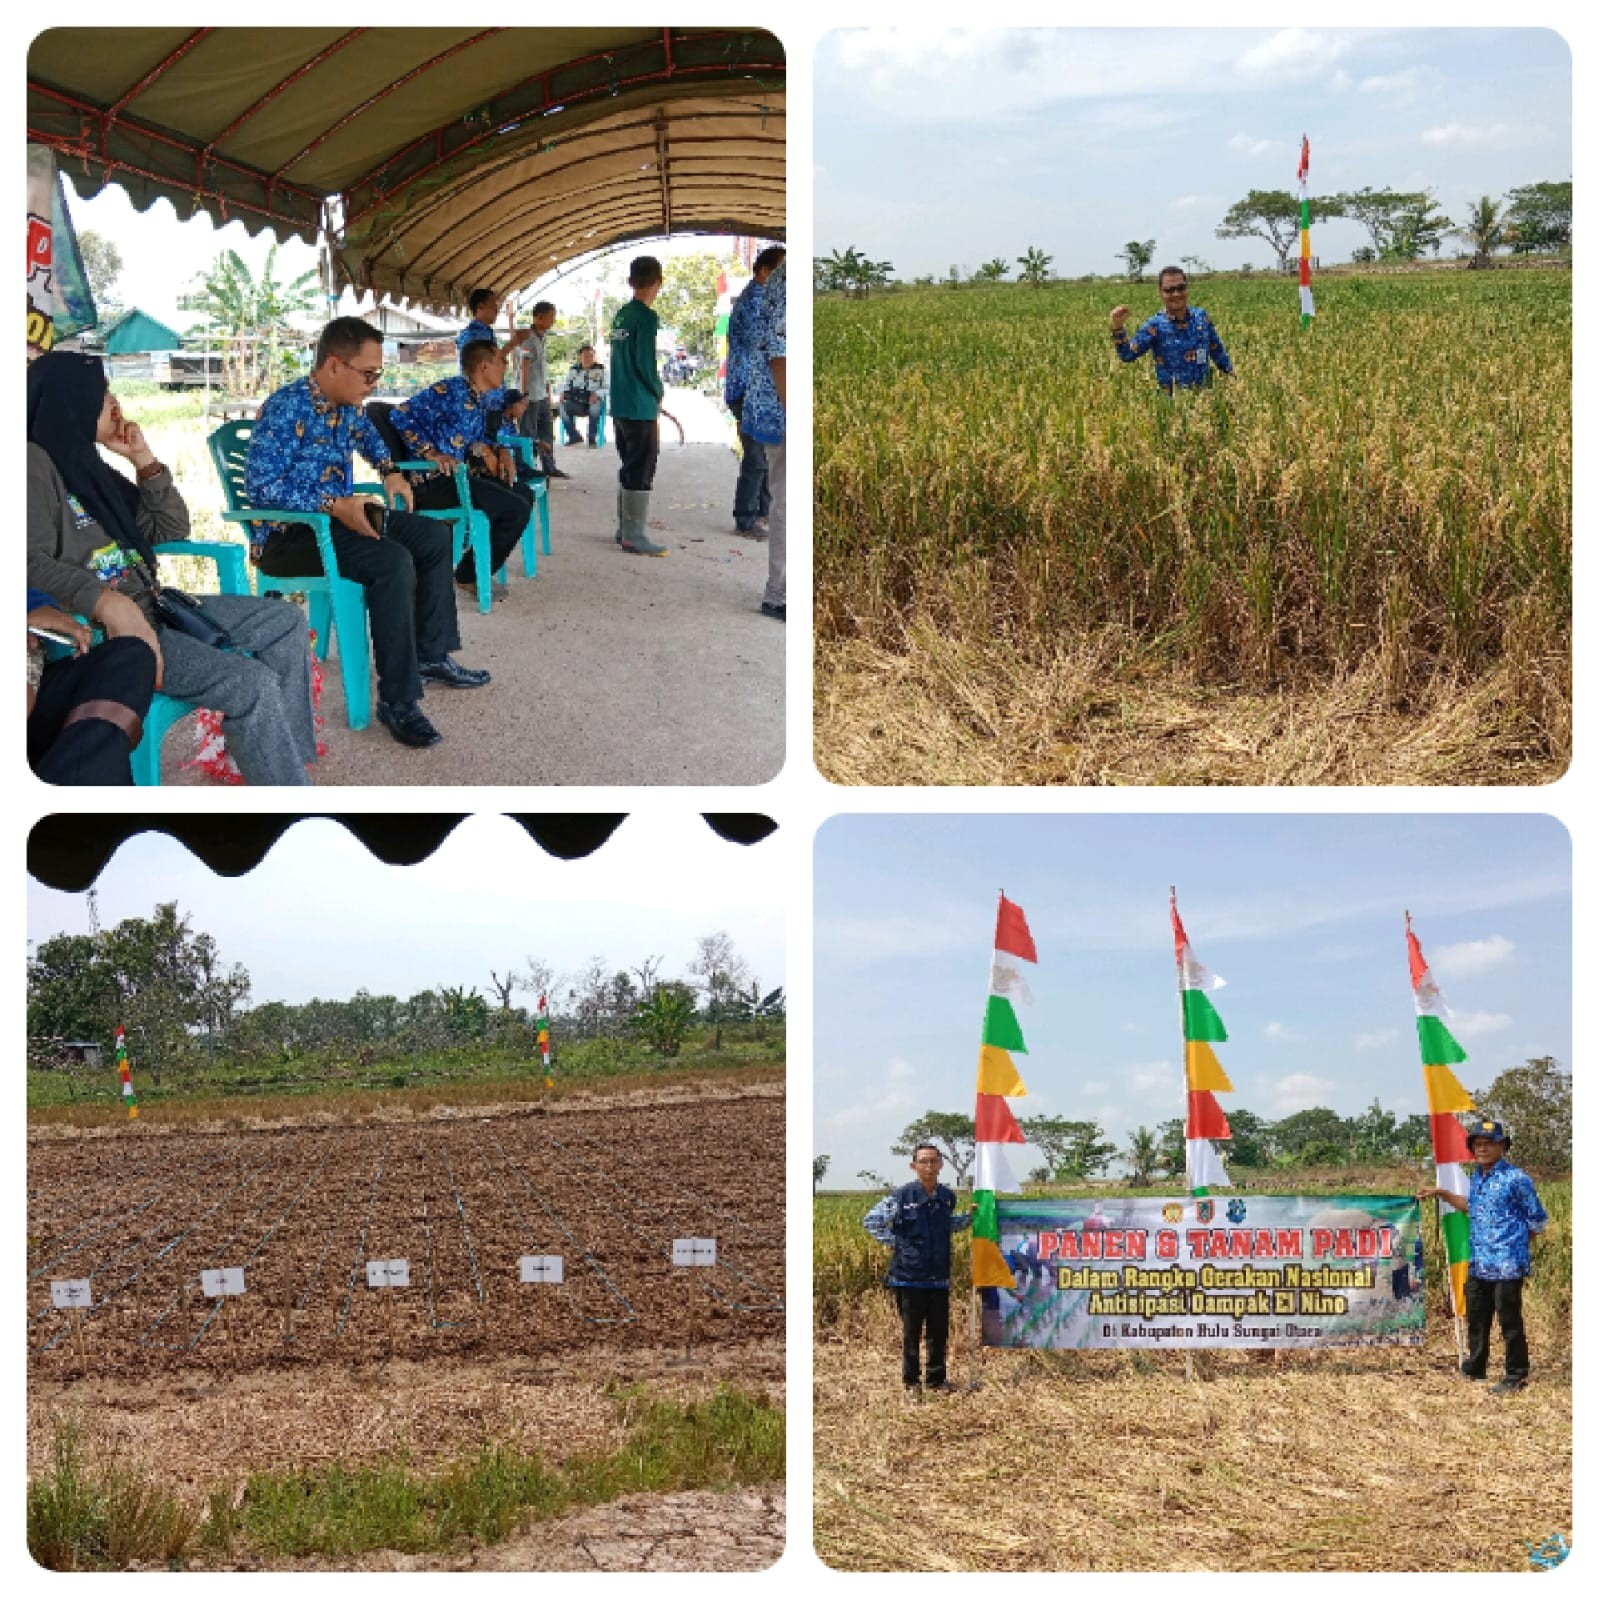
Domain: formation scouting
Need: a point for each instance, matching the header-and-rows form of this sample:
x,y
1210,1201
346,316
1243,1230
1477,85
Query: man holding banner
x,y
918,1222
1506,1215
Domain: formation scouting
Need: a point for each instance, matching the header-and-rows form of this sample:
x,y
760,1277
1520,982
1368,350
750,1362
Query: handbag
x,y
184,614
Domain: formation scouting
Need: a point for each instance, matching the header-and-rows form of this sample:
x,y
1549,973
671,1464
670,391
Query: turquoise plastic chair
x,y
599,424
466,521
337,605
541,506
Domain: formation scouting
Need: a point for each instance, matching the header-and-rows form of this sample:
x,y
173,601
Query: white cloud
x,y
1280,1033
1471,958
1484,135
1153,1085
1380,1039
1341,81
1292,56
891,1097
1245,145
1187,202
1478,1023
1400,85
1300,1091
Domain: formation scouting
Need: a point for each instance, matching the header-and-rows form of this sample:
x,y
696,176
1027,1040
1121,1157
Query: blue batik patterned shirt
x,y
763,411
1183,350
301,451
1505,1213
740,330
475,332
449,417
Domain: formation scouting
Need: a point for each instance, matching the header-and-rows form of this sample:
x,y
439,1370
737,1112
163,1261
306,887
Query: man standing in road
x,y
636,395
1183,337
917,1221
752,497
765,420
1506,1215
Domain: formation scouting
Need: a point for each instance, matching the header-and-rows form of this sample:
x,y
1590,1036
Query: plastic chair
x,y
336,605
541,506
466,521
164,711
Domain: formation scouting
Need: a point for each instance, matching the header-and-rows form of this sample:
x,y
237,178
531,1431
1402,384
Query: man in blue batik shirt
x,y
484,304
1184,339
917,1221
1506,1215
752,495
764,419
301,452
446,423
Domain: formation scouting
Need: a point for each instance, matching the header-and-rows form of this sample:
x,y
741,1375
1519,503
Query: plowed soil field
x,y
459,1196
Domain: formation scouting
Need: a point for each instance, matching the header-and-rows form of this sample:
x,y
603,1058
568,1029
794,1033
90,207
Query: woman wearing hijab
x,y
91,538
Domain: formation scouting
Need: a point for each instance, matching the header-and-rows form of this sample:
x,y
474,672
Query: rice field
x,y
1032,566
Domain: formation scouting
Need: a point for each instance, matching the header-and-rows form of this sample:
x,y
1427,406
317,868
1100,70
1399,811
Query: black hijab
x,y
66,392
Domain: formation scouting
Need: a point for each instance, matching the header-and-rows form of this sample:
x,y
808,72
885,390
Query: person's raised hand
x,y
130,443
54,620
1118,317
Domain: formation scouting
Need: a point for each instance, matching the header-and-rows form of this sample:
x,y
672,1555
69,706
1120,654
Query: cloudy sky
x,y
938,148
320,917
1303,915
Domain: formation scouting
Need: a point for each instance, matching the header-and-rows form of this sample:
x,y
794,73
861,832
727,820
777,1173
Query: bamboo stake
x,y
77,1334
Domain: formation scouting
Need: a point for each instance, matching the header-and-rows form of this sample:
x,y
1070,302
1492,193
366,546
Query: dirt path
x,y
607,668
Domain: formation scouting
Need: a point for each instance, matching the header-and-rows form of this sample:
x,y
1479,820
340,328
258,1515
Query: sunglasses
x,y
1174,288
371,374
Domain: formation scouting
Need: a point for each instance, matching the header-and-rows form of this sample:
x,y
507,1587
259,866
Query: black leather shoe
x,y
451,674
409,725
555,471
776,612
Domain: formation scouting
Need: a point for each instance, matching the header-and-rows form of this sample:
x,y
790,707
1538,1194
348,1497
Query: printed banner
x,y
59,302
1222,1272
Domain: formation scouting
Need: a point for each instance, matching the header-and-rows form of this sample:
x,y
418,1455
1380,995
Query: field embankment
x,y
1349,564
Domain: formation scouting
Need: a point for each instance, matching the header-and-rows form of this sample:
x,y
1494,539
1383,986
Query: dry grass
x,y
1376,1460
956,707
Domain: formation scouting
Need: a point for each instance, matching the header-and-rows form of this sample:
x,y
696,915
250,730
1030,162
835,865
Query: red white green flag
x,y
1202,1028
1445,1096
129,1098
998,1080
1307,301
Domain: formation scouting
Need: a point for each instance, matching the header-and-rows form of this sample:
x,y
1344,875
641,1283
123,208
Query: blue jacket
x,y
918,1225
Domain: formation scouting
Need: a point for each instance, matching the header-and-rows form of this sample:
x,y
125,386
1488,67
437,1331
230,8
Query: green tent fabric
x,y
441,159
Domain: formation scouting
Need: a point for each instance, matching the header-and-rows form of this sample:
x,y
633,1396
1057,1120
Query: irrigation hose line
x,y
594,1265
722,1261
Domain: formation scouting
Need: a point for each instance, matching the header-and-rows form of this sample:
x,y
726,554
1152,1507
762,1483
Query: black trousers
x,y
410,596
91,750
575,411
506,508
639,445
1484,1301
923,1309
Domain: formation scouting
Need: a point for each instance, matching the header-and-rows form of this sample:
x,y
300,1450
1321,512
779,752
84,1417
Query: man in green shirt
x,y
636,393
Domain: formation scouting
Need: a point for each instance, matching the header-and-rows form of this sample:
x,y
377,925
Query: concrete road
x,y
608,667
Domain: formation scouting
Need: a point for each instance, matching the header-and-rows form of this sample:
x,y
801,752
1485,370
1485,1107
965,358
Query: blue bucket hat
x,y
1487,1129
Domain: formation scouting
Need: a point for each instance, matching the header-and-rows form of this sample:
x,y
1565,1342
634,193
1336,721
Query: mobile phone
x,y
54,638
374,516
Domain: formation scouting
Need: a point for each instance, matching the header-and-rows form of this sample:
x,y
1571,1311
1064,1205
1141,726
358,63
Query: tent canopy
x,y
438,160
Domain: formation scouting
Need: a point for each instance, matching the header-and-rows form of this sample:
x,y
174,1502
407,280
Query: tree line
x,y
183,1003
1533,1100
1401,225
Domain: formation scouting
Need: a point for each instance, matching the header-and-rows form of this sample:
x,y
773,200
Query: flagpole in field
x,y
1445,1096
1307,301
998,1081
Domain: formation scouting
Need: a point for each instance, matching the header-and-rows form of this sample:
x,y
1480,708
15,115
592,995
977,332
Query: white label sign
x,y
543,1269
71,1293
693,1251
223,1283
388,1274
